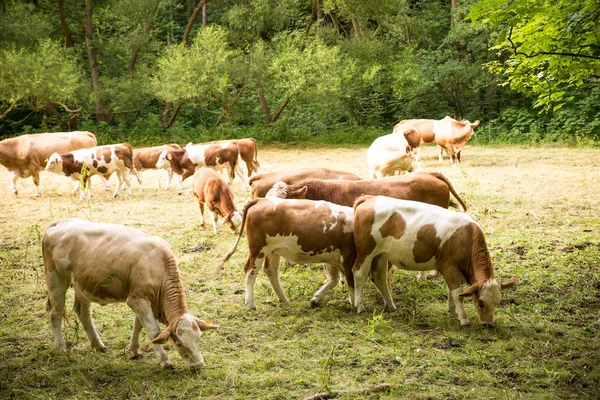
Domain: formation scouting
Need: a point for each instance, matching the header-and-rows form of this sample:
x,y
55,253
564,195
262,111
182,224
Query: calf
x,y
101,160
248,153
417,236
107,263
26,155
211,190
301,231
147,157
393,154
262,183
427,187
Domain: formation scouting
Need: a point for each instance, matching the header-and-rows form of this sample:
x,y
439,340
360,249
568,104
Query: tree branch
x,y
9,109
550,53
147,29
190,24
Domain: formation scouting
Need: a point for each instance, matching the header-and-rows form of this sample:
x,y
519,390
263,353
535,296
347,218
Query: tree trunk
x,y
271,119
89,34
51,111
175,112
190,24
147,29
204,15
454,4
63,22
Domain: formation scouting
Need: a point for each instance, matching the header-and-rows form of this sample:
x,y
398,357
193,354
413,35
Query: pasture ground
x,y
539,208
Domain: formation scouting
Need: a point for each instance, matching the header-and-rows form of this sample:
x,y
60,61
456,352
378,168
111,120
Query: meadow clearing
x,y
538,206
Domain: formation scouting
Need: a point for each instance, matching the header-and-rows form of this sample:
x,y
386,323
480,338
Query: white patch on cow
x,y
288,248
162,160
491,293
416,215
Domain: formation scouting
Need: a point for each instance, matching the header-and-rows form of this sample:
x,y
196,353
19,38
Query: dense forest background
x,y
331,71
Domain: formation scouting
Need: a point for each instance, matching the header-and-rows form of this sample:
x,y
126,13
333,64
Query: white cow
x,y
393,153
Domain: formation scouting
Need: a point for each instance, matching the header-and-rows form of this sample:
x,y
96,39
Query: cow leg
x,y
120,184
240,174
86,189
127,177
139,179
201,206
106,182
134,344
215,218
361,272
186,174
36,180
331,280
251,269
143,312
418,158
169,178
380,278
57,289
455,302
13,182
272,271
440,151
83,310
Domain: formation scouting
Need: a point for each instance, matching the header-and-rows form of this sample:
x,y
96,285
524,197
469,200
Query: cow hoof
x,y
101,349
167,364
314,304
465,323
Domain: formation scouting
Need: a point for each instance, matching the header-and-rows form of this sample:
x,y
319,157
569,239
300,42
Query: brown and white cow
x,y
248,152
449,134
147,157
418,237
26,155
101,160
393,154
216,156
301,231
427,187
212,190
262,183
108,263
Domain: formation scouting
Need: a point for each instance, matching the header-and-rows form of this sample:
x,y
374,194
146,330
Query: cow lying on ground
x,y
211,190
107,263
301,231
184,162
101,160
26,155
393,154
449,134
248,152
418,237
262,183
147,157
427,187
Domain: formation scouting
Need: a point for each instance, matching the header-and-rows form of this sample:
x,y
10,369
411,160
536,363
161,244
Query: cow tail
x,y
459,204
360,200
130,158
221,263
255,154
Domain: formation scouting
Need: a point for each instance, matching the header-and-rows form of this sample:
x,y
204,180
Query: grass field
x,y
540,211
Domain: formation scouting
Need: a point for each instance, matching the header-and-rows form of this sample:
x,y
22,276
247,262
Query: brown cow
x,y
26,155
146,158
449,134
427,187
108,263
262,183
418,237
101,160
301,231
248,152
211,190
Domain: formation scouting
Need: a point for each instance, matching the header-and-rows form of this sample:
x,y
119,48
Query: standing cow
x,y
108,263
147,157
248,152
214,193
419,237
26,155
101,160
393,154
449,134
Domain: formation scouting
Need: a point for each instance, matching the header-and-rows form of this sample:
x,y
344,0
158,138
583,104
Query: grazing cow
x,y
449,134
393,154
101,160
216,156
248,152
301,231
427,187
211,190
108,263
147,157
262,183
26,155
417,236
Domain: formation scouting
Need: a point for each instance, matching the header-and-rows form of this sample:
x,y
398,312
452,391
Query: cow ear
x,y
510,283
475,124
162,337
302,192
205,325
473,289
169,157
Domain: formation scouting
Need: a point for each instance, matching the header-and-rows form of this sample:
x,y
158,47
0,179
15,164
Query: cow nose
x,y
197,367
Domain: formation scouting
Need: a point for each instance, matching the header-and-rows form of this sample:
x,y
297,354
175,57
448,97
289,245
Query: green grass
x,y
539,208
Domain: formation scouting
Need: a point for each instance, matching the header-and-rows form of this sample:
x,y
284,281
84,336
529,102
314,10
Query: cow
x,y
427,187
109,263
449,134
419,237
26,155
146,158
100,160
212,190
262,183
393,154
301,231
216,156
248,152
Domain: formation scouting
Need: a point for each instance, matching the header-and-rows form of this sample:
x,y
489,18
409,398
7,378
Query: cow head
x,y
163,160
234,220
486,297
413,137
185,334
54,164
279,189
